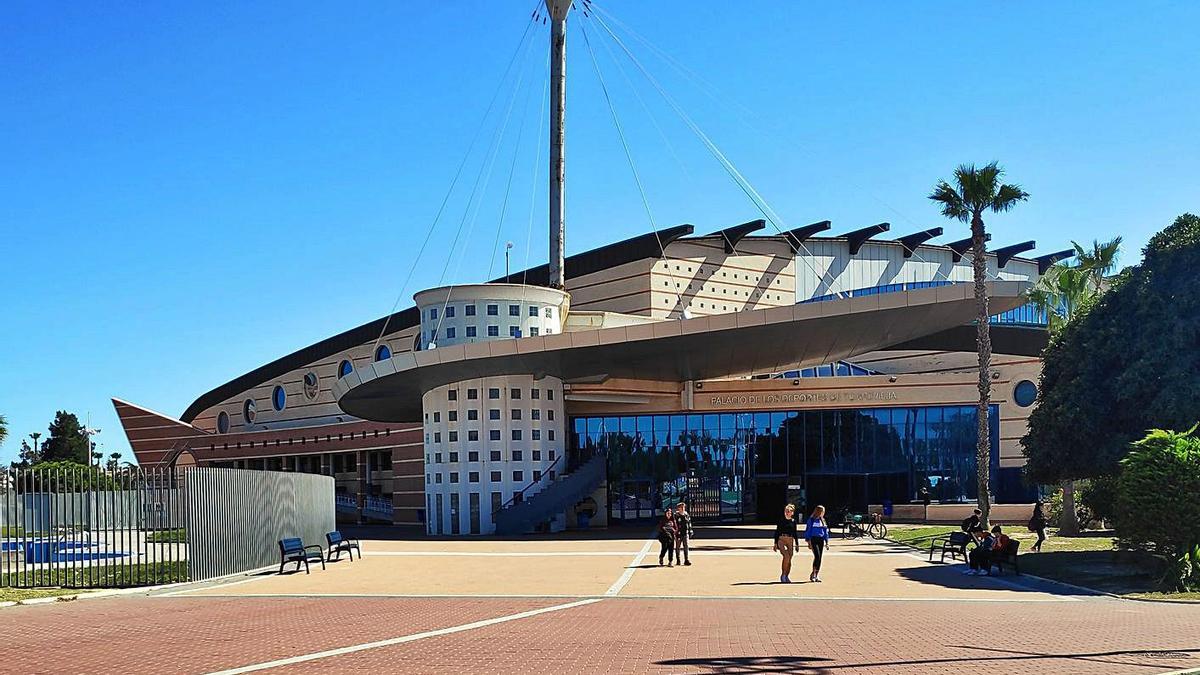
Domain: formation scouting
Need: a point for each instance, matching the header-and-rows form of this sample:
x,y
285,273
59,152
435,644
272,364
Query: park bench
x,y
954,544
1007,557
294,550
338,543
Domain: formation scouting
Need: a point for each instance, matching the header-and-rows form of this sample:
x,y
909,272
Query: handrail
x,y
522,491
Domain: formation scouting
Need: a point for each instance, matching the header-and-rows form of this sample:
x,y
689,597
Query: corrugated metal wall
x,y
236,517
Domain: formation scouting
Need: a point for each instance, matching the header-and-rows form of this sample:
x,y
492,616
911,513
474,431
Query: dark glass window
x,y
469,310
345,368
383,353
279,398
471,331
514,310
493,331
496,477
495,455
493,310
493,393
1025,393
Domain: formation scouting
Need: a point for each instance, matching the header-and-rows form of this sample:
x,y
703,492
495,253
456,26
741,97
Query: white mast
x,y
558,98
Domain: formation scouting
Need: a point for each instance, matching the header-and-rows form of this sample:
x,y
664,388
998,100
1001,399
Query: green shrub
x,y
1053,503
1097,501
1158,508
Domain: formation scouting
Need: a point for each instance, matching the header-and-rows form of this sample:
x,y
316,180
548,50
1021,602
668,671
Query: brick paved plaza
x,y
603,604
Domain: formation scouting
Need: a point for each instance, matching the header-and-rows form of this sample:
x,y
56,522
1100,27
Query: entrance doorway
x,y
772,496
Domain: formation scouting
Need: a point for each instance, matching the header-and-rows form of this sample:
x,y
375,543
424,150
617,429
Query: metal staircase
x,y
522,515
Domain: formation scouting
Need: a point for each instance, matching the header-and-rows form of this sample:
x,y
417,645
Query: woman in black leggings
x,y
666,537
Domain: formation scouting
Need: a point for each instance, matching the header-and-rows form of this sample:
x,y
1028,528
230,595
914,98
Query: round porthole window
x,y
279,398
248,411
383,353
311,385
222,422
1025,393
344,369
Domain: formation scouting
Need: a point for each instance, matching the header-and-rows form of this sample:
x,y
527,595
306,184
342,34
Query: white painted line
x,y
1185,671
790,598
278,663
630,569
493,554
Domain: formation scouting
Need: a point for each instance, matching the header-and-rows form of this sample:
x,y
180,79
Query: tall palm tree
x,y
3,429
1099,261
976,190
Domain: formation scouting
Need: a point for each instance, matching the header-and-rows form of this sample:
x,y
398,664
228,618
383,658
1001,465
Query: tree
x,y
114,461
975,191
67,440
1061,293
1127,362
3,429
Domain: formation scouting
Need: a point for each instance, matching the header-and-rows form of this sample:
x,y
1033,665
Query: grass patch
x,y
175,536
19,594
100,576
1192,596
918,536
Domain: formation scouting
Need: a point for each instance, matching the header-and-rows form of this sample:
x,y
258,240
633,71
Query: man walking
x,y
683,526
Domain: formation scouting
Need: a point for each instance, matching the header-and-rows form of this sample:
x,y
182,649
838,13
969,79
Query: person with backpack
x,y
1037,523
972,524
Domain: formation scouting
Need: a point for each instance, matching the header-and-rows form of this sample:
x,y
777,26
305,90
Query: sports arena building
x,y
732,369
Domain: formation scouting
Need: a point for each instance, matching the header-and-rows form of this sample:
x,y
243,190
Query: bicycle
x,y
876,528
852,527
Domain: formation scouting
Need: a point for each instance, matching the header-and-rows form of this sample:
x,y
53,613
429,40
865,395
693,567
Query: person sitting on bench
x,y
980,558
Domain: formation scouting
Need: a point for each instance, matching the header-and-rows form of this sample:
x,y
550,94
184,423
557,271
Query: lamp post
x,y
507,248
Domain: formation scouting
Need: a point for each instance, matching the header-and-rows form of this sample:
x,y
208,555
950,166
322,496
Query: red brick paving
x,y
169,635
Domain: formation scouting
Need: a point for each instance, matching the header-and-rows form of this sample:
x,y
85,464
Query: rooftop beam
x,y
1045,261
1007,253
732,235
800,234
910,242
962,246
857,238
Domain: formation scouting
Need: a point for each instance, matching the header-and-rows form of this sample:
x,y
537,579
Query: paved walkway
x,y
603,605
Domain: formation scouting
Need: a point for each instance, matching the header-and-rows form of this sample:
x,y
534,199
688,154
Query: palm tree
x,y
3,429
1060,293
975,191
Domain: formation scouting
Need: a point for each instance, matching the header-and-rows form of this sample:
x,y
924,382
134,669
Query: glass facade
x,y
746,465
1025,315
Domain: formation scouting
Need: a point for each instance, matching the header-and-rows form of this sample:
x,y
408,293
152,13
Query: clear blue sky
x,y
189,190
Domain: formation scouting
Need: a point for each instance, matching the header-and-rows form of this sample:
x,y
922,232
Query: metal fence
x,y
82,527
236,517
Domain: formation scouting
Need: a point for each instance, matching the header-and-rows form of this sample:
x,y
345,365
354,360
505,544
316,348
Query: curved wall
x,y
453,315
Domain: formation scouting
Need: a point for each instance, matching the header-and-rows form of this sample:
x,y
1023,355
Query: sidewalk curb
x,y
116,592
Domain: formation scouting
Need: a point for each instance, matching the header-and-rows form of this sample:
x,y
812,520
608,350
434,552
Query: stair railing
x,y
519,496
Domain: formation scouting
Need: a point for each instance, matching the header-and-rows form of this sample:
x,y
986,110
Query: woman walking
x,y
816,531
785,541
1037,523
666,536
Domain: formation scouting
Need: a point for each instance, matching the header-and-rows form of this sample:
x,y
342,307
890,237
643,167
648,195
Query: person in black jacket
x,y
683,533
973,523
785,541
666,536
1037,523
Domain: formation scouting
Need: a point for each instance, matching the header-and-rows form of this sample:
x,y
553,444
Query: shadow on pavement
x,y
951,576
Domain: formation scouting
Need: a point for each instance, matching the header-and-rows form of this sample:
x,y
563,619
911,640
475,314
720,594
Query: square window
x,y
433,313
453,437
549,312
493,310
450,312
533,311
494,414
493,331
494,434
514,331
537,434
472,415
514,394
516,413
453,457
472,476
518,476
453,476
533,331
472,394
471,331
494,393
537,455
473,456
495,456
452,395
469,310
514,310
452,415
450,332
496,477
437,437
535,414
516,456
535,394
437,416
473,435
516,434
